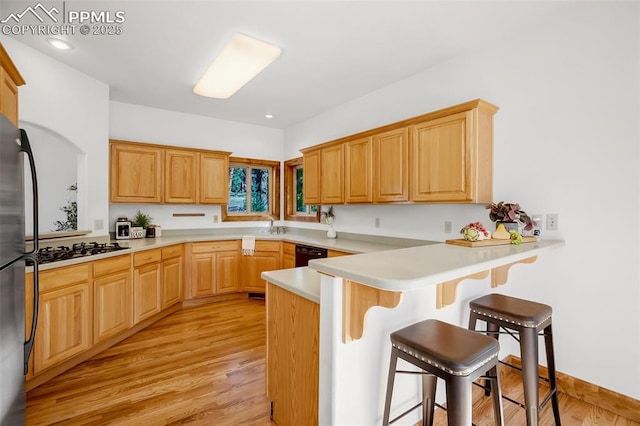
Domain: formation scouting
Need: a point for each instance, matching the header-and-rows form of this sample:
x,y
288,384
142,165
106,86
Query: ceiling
x,y
332,51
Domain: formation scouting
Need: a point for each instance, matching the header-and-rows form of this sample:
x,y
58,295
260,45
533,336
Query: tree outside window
x,y
249,190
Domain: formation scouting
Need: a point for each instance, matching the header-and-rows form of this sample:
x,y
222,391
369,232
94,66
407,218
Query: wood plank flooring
x,y
202,365
205,365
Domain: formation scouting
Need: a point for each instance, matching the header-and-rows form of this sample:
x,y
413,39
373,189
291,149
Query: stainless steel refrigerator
x,y
14,350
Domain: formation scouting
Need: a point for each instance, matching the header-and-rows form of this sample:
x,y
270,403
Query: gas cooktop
x,y
55,254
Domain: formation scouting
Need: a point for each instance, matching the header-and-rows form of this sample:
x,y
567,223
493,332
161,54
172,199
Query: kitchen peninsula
x,y
352,329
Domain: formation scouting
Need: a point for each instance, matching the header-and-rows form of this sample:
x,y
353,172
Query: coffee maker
x,y
123,228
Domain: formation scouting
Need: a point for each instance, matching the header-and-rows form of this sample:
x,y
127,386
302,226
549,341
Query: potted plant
x,y
330,218
509,214
139,224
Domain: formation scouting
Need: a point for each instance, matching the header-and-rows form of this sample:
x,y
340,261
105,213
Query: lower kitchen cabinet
x,y
288,255
146,284
112,304
266,257
292,357
215,268
172,276
64,316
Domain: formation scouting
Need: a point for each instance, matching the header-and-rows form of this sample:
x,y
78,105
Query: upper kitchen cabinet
x,y
10,79
136,173
358,161
311,167
214,177
332,174
180,176
452,155
391,165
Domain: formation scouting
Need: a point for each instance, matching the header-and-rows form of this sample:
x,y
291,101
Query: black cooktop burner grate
x,y
55,254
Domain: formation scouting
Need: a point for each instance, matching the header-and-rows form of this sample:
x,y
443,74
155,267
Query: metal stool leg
x,y
551,368
529,356
429,382
459,401
493,330
498,412
390,380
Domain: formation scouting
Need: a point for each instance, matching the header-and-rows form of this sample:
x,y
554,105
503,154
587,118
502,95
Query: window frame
x,y
274,191
291,214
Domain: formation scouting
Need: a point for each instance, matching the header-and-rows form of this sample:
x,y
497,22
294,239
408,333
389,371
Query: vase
x,y
331,233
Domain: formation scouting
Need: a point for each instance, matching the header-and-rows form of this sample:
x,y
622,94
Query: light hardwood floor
x,y
205,365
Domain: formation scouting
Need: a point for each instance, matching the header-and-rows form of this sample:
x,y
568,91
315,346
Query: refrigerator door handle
x,y
28,345
25,147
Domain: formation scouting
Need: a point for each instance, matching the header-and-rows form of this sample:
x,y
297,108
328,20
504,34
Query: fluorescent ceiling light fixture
x,y
242,59
268,115
59,44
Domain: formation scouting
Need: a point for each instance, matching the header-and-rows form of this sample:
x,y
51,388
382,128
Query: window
x,y
253,189
294,189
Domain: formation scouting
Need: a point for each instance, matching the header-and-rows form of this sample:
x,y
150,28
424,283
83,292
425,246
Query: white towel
x,y
248,245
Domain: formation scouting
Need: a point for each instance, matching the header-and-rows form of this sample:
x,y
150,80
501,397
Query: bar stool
x,y
454,354
524,320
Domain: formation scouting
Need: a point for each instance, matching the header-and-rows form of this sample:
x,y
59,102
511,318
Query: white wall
x,y
144,124
75,106
566,142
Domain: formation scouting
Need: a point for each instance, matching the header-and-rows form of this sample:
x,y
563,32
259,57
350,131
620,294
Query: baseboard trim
x,y
598,396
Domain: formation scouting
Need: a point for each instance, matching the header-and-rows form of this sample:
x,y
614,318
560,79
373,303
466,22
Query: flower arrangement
x,y
509,212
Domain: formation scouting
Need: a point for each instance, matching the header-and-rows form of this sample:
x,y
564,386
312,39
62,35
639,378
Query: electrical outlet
x,y
215,218
377,222
447,226
98,224
552,222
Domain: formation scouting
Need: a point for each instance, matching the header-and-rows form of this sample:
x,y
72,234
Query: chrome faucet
x,y
271,225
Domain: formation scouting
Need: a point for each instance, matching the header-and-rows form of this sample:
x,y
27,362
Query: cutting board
x,y
486,243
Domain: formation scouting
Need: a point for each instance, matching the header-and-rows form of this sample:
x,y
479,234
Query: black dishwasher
x,y
306,253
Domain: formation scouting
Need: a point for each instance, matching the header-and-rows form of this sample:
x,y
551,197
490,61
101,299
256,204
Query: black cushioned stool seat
x,y
454,354
528,319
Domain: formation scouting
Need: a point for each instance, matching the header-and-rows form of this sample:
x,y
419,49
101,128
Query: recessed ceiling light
x,y
268,116
240,60
60,44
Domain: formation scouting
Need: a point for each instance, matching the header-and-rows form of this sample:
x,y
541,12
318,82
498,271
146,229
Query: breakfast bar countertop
x,y
414,268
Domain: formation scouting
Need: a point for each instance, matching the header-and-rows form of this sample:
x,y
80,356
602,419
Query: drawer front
x,y
61,277
111,265
146,257
215,246
262,246
289,248
170,252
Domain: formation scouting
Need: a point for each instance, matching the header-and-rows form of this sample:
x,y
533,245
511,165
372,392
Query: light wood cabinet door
x,y
171,282
288,255
203,268
253,266
135,173
64,324
146,291
10,79
214,178
391,163
292,357
332,175
180,176
311,177
8,97
358,160
112,305
227,272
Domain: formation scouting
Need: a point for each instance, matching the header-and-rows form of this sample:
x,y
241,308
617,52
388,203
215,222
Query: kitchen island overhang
x,y
372,295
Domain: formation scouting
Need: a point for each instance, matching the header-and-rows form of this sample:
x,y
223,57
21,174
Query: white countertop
x,y
302,281
417,267
136,245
